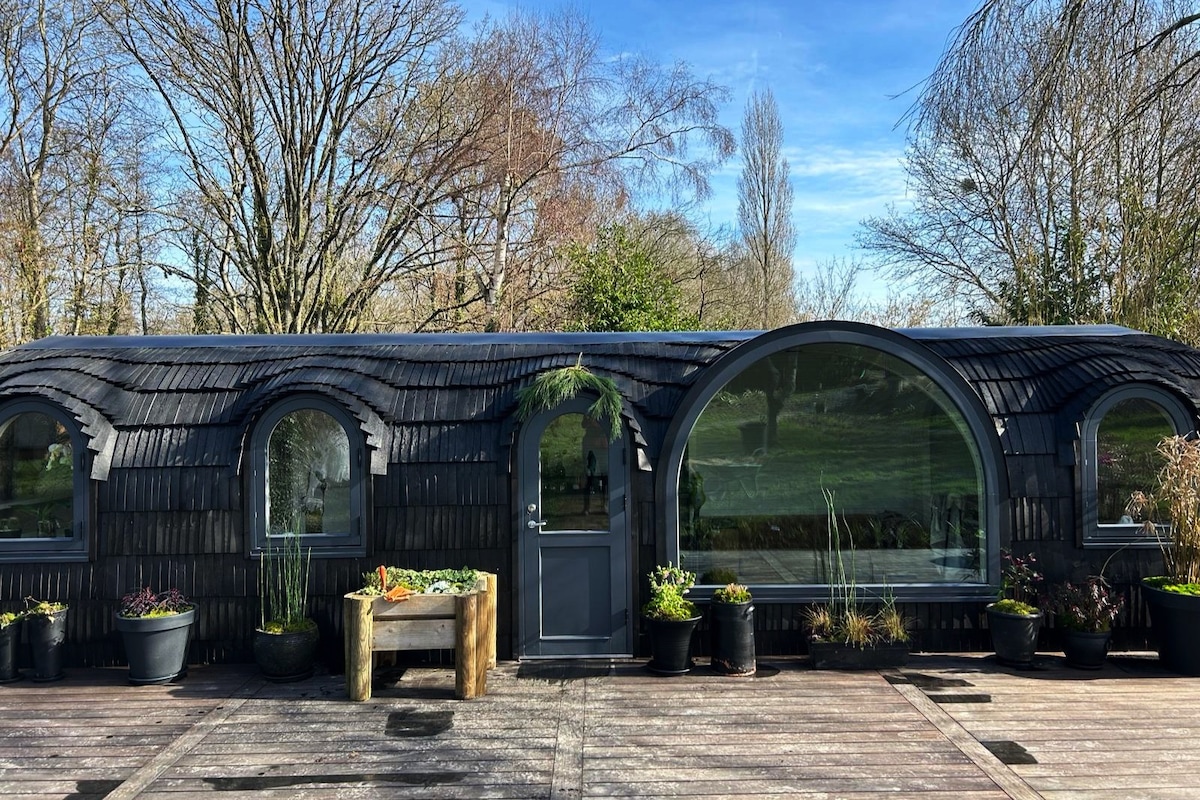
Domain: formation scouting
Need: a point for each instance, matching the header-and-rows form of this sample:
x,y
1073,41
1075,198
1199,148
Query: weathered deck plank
x,y
930,732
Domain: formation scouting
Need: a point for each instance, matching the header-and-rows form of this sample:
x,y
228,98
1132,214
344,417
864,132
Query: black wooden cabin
x,y
172,461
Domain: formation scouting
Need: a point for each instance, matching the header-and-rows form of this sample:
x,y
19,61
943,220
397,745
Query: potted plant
x,y
46,624
154,628
850,635
1013,619
1085,612
732,630
848,632
1174,597
10,631
47,524
671,619
285,643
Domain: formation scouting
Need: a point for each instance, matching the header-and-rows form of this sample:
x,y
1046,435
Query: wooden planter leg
x,y
466,651
489,616
358,625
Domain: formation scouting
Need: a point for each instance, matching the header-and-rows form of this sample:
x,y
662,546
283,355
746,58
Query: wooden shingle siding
x,y
168,420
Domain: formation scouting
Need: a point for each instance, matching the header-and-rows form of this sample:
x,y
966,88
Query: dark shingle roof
x,y
450,398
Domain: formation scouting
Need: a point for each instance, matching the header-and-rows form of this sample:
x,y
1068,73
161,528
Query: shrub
x,y
1089,607
668,585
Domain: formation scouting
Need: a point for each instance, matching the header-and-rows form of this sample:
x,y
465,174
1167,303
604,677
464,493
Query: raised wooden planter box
x,y
465,623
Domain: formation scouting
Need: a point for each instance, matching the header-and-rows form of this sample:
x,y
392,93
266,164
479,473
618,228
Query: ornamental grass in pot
x,y
857,635
1174,597
671,620
285,643
852,631
155,628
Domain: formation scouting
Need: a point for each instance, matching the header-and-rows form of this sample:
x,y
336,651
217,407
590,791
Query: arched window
x,y
1120,437
307,477
43,485
868,446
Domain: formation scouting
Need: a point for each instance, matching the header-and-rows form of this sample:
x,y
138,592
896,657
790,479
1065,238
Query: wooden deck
x,y
945,727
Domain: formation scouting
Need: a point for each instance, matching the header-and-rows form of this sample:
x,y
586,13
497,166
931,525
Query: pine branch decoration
x,y
555,386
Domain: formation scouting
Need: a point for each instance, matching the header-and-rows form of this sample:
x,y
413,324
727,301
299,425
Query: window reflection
x,y
37,478
309,475
888,445
574,472
1126,455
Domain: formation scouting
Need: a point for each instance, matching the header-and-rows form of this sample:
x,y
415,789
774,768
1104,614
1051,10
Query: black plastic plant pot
x,y
47,632
732,638
1174,621
1014,636
1086,650
156,647
671,645
9,637
286,657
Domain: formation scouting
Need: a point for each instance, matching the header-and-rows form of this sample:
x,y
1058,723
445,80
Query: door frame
x,y
527,448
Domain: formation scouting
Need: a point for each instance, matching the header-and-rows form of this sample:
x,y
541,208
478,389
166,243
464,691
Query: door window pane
x,y
574,471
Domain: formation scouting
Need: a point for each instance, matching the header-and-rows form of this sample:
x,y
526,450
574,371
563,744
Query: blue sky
x,y
835,68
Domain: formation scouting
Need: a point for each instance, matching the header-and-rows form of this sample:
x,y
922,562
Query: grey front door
x,y
574,537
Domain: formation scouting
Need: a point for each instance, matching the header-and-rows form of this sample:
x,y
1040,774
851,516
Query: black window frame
x,y
893,343
348,545
1093,534
77,547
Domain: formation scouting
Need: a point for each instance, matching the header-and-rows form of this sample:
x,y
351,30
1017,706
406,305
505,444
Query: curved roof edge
x,y
356,339
467,339
1020,331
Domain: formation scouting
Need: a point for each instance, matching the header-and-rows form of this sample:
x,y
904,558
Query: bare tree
x,y
315,140
765,210
835,291
568,123
1054,181
70,155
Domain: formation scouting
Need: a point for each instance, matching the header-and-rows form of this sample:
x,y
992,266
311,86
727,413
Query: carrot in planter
x,y
397,594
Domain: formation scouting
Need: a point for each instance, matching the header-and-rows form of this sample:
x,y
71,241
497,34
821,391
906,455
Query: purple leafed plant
x,y
146,603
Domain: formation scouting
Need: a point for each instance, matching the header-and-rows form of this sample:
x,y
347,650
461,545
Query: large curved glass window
x,y
42,485
832,429
307,479
1121,437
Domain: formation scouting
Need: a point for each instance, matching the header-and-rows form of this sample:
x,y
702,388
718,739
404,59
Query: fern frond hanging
x,y
554,387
